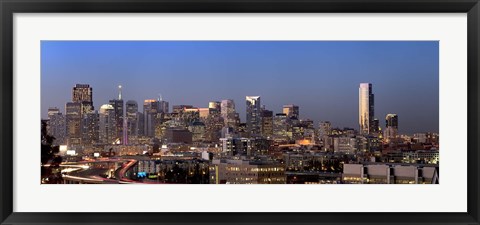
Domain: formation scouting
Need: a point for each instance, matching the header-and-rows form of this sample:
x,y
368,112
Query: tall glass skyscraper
x,y
254,120
366,108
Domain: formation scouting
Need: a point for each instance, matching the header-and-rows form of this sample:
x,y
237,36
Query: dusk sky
x,y
321,77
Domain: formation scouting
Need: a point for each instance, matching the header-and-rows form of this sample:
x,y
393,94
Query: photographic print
x,y
240,112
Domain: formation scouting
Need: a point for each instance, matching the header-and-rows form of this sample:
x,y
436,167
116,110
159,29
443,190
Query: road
x,y
83,172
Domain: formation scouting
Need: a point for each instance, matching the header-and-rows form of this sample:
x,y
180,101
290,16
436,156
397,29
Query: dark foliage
x,y
50,160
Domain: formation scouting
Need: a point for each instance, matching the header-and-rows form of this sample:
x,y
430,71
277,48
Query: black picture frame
x,y
9,7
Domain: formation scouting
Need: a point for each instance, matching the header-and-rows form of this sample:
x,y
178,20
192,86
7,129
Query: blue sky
x,y
322,77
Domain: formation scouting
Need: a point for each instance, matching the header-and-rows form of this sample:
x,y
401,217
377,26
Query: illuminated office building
x,y
190,115
227,108
140,124
119,116
90,128
150,110
345,145
107,124
197,129
324,128
162,105
232,146
73,120
53,111
214,105
291,111
213,121
83,93
280,127
131,120
254,119
181,108
246,172
391,120
366,109
204,113
391,127
267,123
56,126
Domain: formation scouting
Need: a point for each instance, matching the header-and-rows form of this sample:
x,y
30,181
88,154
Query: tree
x,y
50,160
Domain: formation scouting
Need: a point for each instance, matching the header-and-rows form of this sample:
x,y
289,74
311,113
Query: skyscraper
x,y
118,109
214,109
132,120
375,126
107,123
214,105
280,127
56,126
254,119
81,104
53,111
140,124
162,105
391,127
90,128
291,111
227,108
73,117
82,93
391,120
267,123
214,122
150,110
324,128
366,108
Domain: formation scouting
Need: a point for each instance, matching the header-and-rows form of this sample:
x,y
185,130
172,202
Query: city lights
x,y
159,146
240,112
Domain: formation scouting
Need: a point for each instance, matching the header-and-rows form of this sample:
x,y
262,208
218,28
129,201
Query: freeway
x,y
88,172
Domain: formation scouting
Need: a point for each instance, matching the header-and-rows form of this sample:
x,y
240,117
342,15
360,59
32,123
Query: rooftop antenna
x,y
119,92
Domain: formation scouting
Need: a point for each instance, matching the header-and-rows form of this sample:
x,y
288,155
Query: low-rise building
x,y
246,172
174,171
390,173
345,145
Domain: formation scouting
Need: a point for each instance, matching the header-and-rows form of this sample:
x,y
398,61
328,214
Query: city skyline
x,y
240,112
417,114
368,122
